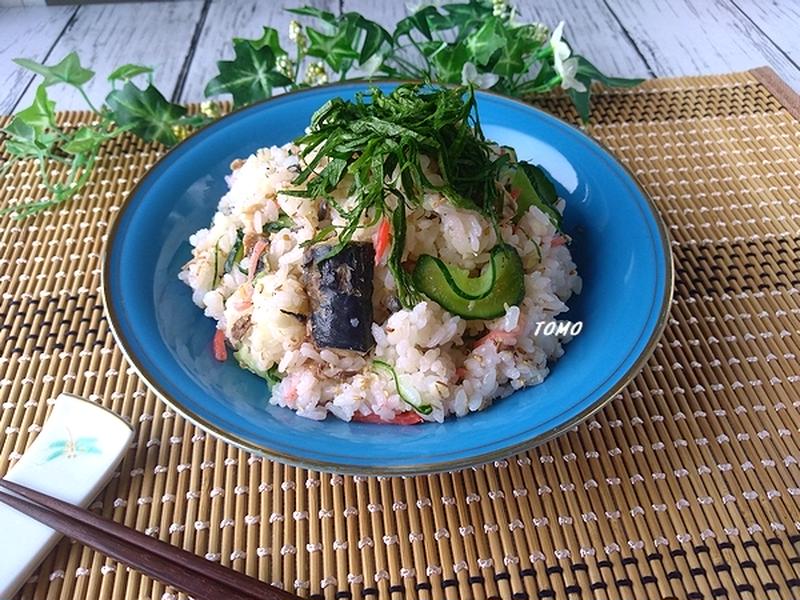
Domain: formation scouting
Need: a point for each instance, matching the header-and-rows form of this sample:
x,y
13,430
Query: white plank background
x,y
183,40
158,34
29,33
778,20
687,37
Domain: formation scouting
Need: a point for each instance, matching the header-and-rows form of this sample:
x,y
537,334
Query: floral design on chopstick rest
x,y
70,447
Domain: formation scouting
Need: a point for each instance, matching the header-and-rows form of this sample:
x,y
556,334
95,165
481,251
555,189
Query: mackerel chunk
x,y
340,291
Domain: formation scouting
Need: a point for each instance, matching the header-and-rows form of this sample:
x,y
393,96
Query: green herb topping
x,y
378,141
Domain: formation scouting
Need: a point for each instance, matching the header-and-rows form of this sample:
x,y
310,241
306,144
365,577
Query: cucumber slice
x,y
500,284
534,190
458,279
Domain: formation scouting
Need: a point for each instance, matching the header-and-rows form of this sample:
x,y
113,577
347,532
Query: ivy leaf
x,y
85,140
466,13
486,41
41,114
588,70
511,60
449,61
26,141
145,112
336,49
375,37
418,21
466,16
129,71
250,76
68,71
269,39
20,130
428,49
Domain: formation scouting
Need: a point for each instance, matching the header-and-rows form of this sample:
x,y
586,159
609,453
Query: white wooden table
x,y
183,39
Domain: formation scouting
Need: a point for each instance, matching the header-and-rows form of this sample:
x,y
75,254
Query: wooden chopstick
x,y
201,579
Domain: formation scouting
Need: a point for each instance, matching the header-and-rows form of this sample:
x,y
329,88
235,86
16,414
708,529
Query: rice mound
x,y
435,353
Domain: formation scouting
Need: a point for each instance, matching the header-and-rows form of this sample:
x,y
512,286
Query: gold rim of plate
x,y
394,470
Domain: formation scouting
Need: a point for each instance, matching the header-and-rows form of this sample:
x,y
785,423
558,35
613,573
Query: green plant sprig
x,y
34,134
476,42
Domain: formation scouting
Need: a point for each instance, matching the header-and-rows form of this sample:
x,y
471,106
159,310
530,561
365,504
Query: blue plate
x,y
620,246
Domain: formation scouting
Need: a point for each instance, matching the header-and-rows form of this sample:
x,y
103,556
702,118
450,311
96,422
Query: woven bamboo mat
x,y
686,486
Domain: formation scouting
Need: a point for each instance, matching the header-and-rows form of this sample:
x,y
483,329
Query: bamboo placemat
x,y
685,486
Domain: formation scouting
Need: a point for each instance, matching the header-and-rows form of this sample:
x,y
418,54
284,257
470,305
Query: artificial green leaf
x,y
41,114
19,129
428,19
310,11
22,139
25,140
145,112
195,121
129,71
582,100
68,71
486,41
587,69
466,13
270,39
420,21
248,77
467,17
85,140
428,49
336,49
511,58
449,62
375,37
21,149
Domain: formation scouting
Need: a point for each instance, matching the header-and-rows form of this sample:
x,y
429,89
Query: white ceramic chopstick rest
x,y
72,458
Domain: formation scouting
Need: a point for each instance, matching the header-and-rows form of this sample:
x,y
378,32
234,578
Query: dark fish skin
x,y
340,291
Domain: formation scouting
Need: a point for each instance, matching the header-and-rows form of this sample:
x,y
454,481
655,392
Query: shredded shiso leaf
x,y
379,140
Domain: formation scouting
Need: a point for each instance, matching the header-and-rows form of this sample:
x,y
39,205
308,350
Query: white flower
x,y
561,50
568,70
565,65
469,74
